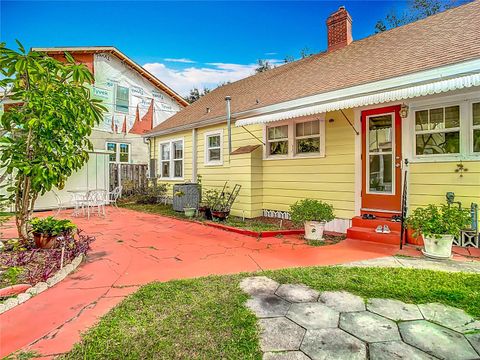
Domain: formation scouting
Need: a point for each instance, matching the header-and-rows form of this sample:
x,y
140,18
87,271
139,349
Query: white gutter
x,y
434,87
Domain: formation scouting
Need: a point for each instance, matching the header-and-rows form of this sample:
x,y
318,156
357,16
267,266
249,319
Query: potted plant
x,y
209,199
188,210
313,214
47,230
220,209
438,225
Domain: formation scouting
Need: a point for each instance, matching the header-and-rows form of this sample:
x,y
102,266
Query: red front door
x,y
381,160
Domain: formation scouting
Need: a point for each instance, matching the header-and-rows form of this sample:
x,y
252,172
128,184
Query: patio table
x,y
79,199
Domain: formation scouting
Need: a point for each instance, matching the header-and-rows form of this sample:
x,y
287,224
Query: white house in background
x,y
136,102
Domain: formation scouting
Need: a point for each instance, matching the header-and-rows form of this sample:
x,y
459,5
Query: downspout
x,y
229,126
194,155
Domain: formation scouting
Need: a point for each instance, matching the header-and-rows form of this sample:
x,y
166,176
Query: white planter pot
x,y
314,230
438,247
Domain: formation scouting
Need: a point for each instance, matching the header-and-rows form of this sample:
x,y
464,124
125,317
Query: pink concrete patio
x,y
132,249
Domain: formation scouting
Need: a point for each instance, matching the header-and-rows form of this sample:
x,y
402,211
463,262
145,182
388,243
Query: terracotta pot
x,y
220,215
418,241
45,241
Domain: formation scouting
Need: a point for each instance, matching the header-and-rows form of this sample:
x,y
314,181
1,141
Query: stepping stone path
x,y
299,323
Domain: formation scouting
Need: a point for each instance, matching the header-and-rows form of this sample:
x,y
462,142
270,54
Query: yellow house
x,y
357,126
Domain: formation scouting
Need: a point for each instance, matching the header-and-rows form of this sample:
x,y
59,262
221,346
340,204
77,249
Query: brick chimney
x,y
339,26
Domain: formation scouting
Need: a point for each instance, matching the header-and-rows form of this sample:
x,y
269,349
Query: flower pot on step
x,y
438,246
314,230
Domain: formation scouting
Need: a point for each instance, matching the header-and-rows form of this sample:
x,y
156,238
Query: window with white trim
x,y
437,131
277,140
171,159
213,148
476,127
296,138
307,137
121,152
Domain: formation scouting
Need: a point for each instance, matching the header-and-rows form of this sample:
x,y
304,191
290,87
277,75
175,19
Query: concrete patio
x,y
132,249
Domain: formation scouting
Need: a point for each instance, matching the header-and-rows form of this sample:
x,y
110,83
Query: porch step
x,y
369,234
357,221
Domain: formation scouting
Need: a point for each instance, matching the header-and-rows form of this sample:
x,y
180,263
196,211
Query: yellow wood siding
x,y
276,184
187,154
429,182
330,179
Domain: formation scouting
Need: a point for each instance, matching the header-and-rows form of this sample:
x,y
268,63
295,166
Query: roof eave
x,y
113,50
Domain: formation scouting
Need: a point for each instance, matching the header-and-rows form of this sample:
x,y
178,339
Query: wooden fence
x,y
132,177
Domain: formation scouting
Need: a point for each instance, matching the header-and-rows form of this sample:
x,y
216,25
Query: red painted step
x,y
372,224
369,234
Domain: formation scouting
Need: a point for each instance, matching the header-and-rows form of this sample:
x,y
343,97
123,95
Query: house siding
x,y
275,184
429,182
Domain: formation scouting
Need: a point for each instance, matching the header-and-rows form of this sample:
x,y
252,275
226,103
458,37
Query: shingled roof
x,y
446,38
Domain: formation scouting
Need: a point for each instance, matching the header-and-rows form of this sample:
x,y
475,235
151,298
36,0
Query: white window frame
x,y
368,153
117,152
458,129
465,102
472,127
207,135
171,160
292,153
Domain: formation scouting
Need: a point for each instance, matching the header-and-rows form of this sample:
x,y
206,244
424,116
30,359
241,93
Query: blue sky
x,y
187,44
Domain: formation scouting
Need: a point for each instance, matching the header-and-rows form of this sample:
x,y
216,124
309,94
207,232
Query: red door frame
x,y
390,203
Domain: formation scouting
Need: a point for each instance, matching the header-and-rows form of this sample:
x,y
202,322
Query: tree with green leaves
x,y
45,135
416,10
196,94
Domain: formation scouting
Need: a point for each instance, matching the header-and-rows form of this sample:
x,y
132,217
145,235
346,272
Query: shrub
x,y
311,210
152,194
52,226
438,220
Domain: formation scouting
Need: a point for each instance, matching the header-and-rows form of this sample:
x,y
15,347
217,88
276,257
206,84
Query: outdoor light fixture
x,y
404,111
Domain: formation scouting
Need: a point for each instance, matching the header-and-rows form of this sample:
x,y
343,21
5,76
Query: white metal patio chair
x,y
114,195
64,205
97,199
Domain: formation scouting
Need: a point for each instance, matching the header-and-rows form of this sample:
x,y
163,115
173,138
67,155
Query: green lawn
x,y
205,318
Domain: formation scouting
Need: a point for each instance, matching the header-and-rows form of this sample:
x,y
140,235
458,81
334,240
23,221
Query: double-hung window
x,y
213,148
277,140
121,152
437,131
121,99
296,138
476,127
171,159
307,137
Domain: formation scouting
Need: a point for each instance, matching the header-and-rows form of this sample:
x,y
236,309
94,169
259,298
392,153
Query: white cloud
x,y
210,75
180,60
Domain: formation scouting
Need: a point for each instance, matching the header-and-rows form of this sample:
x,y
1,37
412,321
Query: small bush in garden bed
x,y
149,195
32,265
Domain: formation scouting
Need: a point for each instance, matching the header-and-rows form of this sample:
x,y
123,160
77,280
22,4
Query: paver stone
x,y
259,285
394,309
297,293
268,306
396,350
313,315
327,344
342,301
369,327
449,317
279,334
